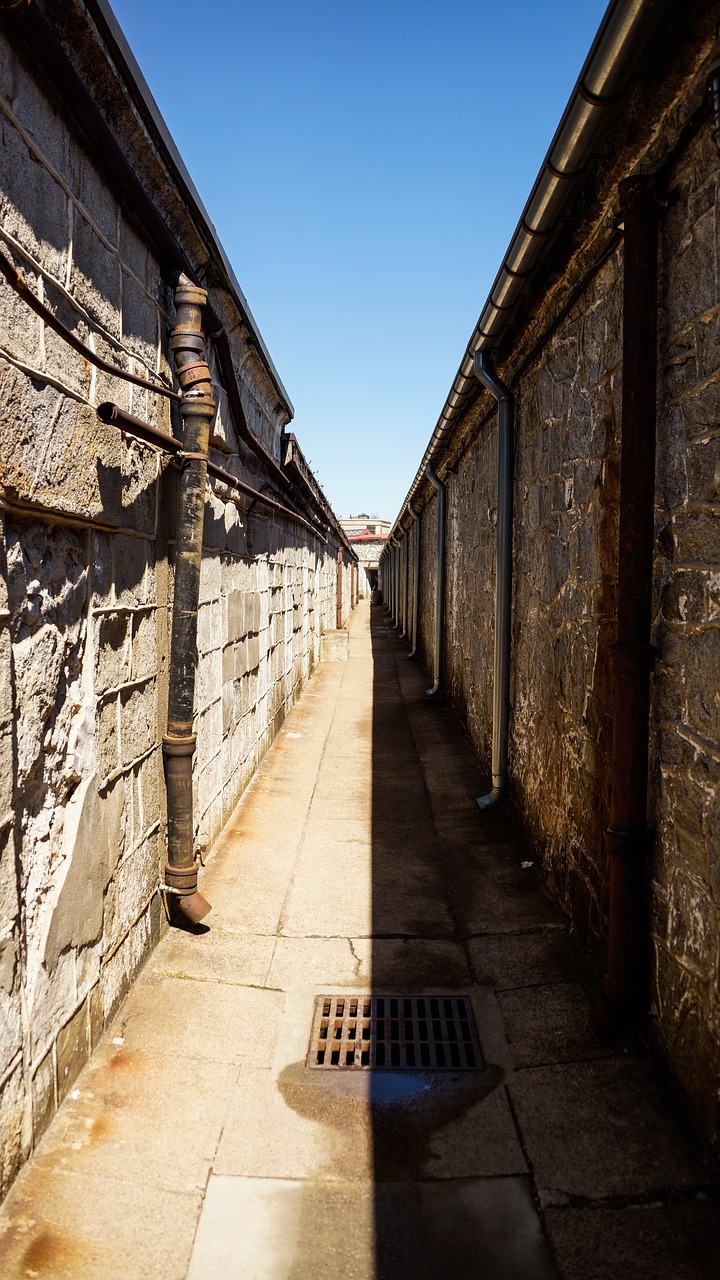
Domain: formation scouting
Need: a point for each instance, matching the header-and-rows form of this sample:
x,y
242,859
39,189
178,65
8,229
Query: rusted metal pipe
x,y
628,838
114,416
17,283
339,610
405,582
440,488
416,582
187,905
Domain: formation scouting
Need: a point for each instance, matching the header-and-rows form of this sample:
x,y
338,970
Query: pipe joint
x,y
493,797
627,846
178,746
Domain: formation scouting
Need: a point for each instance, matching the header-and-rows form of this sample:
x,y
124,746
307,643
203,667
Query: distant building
x,y
367,536
365,524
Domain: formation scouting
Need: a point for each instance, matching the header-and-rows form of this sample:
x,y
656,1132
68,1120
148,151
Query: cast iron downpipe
x,y
437,483
628,838
406,576
416,581
339,601
187,905
503,580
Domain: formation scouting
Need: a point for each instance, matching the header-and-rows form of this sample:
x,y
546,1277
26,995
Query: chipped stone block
x,y
118,973
112,650
108,736
235,620
14,1139
137,722
44,1095
131,570
144,645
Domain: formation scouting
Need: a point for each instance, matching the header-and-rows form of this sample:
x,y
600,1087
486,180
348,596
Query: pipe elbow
x,y
432,693
492,798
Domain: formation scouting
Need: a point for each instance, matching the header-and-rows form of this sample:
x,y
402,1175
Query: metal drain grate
x,y
395,1033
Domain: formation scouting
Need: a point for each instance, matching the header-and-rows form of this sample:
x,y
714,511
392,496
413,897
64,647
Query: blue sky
x,y
365,166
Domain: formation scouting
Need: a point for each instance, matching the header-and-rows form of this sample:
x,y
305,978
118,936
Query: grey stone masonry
x,y
563,359
87,526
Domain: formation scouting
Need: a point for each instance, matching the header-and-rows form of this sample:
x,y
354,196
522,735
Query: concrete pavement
x,y
197,1143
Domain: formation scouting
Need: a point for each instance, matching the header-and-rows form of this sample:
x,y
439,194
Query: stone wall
x,y
87,526
567,389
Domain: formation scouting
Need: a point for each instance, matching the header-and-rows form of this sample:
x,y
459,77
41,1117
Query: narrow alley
x,y
198,1143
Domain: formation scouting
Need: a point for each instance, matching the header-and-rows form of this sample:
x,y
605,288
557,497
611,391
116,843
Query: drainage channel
x,y
394,1033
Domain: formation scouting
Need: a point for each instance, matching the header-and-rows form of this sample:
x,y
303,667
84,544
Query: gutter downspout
x,y
503,580
187,905
437,483
628,838
406,576
339,596
416,581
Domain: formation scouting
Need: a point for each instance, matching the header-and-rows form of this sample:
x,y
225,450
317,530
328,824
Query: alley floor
x,y
197,1143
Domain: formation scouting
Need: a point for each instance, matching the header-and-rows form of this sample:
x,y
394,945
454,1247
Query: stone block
x,y
229,704
144,645
235,616
210,579
101,570
73,1050
130,570
44,1095
119,971
334,646
96,1024
33,206
95,277
693,930
92,842
108,737
137,722
111,638
253,652
140,470
134,253
140,321
134,883
228,663
13,1142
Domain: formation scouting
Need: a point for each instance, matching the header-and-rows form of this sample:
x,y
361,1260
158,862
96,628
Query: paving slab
x,y
605,1128
484,1227
72,1227
656,1241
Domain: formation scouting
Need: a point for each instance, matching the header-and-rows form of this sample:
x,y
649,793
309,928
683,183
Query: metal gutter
x,y
602,84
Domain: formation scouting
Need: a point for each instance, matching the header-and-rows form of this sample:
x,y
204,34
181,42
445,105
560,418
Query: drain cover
x,y
395,1033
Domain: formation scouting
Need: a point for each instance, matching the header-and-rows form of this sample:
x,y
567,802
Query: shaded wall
x,y
567,389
